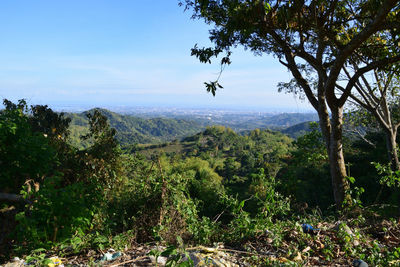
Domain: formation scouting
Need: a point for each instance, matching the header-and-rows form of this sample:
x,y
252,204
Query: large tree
x,y
315,40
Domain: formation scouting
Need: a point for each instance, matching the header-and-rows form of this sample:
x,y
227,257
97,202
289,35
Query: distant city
x,y
165,111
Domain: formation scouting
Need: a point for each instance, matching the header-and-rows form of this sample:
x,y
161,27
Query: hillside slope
x,y
297,129
131,130
149,130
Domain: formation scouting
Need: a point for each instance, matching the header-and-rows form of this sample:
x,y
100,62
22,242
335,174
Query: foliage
x,y
355,193
54,125
271,203
56,213
307,175
24,154
388,177
360,154
39,162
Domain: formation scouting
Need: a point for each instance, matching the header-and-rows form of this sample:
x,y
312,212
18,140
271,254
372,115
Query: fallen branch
x,y
212,250
130,261
11,197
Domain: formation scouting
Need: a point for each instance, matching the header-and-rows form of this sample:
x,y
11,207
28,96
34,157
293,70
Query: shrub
x,y
56,213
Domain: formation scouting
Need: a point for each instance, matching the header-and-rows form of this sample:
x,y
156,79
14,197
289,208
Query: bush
x,y
24,154
56,213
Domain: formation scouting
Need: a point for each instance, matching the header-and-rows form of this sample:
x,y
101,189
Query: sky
x,y
104,53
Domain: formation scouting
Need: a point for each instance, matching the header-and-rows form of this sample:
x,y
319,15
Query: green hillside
x,y
297,130
138,130
232,156
132,130
224,142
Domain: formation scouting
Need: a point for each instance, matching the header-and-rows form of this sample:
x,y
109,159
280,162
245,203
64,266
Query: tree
x,y
314,40
380,97
25,155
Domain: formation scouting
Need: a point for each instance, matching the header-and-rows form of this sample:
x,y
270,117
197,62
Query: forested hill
x,y
132,129
224,141
297,129
234,156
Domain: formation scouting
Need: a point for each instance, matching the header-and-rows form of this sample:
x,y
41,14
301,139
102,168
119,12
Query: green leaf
x,y
155,252
351,179
267,7
171,250
241,205
212,87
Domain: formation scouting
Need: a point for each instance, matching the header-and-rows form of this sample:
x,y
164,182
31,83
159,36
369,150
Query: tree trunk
x,y
391,145
340,184
332,132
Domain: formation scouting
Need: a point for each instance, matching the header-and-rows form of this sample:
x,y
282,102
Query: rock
x,y
359,263
18,263
298,257
206,256
160,260
111,256
349,232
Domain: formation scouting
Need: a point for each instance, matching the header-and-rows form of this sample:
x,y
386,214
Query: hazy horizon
x,y
78,107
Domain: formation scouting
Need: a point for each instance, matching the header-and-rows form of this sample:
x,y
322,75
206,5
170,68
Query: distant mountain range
x,y
133,129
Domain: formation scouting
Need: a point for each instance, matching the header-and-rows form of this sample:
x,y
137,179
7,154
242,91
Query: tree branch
x,y
362,137
348,50
360,72
11,197
291,64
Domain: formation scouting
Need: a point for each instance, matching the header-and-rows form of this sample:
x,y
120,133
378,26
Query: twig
x,y
228,250
219,215
125,262
148,173
163,192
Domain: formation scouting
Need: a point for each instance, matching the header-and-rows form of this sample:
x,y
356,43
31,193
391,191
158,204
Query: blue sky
x,y
124,52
